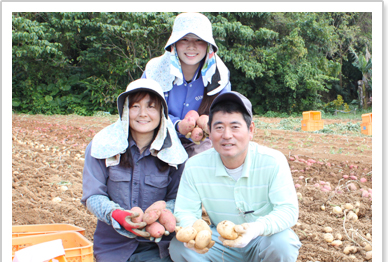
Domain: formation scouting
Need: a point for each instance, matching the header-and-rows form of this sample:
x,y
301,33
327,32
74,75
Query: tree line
x,y
73,62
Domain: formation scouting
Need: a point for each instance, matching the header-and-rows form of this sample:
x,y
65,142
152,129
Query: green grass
x,y
353,115
350,116
294,124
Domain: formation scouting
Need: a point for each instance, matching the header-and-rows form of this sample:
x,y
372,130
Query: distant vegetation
x,y
286,63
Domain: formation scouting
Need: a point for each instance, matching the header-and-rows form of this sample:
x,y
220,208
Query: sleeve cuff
x,y
176,125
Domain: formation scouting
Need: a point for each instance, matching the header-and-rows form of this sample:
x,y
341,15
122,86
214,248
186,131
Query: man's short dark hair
x,y
229,107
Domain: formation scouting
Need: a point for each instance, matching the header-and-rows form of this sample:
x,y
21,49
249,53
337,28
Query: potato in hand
x,y
187,124
226,230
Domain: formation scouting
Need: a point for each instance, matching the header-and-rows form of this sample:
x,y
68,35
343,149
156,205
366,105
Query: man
x,y
239,181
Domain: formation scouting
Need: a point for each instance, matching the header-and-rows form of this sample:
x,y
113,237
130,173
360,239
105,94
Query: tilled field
x,y
329,171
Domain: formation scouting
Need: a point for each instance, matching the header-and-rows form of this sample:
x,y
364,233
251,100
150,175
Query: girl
x,y
132,163
190,72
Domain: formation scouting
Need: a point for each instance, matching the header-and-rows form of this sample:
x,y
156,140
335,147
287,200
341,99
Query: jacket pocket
x,y
159,181
118,186
156,188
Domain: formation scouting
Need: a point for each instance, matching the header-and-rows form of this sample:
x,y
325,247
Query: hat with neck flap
x,y
112,141
194,23
167,70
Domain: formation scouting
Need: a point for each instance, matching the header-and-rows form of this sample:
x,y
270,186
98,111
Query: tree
x,y
77,62
364,64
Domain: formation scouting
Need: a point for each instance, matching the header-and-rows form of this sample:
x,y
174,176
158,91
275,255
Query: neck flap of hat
x,y
112,141
167,71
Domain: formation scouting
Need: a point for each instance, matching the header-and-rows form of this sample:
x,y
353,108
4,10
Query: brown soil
x,y
48,151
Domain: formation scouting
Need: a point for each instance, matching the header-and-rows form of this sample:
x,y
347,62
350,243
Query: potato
x,y
168,220
186,125
152,213
140,217
155,229
192,114
211,244
328,237
157,205
337,210
328,229
368,255
226,230
202,239
368,247
151,216
202,123
197,134
200,225
336,243
186,234
350,249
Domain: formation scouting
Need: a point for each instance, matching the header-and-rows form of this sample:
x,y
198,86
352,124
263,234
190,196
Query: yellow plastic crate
x,y
39,229
77,247
366,125
312,125
367,118
366,128
59,259
312,115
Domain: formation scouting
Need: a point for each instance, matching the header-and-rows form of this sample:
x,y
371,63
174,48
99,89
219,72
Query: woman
x,y
190,72
132,163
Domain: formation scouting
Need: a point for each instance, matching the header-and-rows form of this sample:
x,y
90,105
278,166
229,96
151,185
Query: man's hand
x,y
123,217
191,245
247,232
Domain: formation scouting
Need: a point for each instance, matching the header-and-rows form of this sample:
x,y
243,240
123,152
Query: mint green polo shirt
x,y
265,190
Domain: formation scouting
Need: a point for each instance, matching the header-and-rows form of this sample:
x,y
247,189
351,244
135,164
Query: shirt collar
x,y
246,167
134,147
195,77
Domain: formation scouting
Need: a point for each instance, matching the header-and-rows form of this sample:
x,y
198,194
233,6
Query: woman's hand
x,y
124,218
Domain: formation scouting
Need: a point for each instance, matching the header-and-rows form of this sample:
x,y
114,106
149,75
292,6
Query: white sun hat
x,y
194,23
142,85
112,141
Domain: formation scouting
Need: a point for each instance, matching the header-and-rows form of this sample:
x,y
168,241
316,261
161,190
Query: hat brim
x,y
177,36
122,96
234,97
